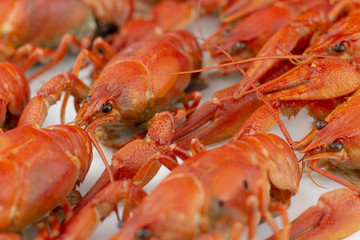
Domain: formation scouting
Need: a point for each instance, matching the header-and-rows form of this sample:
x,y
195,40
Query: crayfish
x,y
26,36
43,166
133,86
223,192
210,194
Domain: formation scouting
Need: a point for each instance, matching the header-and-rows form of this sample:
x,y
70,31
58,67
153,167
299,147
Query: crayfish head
x,y
96,112
338,143
341,39
115,102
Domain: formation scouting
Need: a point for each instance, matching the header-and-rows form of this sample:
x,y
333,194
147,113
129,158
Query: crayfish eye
x,y
320,124
219,203
106,108
238,47
143,233
339,47
225,32
246,185
87,99
336,145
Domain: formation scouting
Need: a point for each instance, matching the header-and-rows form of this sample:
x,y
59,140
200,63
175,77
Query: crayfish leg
x,y
85,221
143,175
140,160
314,165
36,110
29,54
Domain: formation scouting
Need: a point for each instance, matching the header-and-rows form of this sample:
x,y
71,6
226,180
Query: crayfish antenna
x,y
272,84
297,61
243,61
269,108
102,155
197,18
273,113
307,171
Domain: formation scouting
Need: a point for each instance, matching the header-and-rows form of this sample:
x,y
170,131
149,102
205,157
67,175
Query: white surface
x,y
308,193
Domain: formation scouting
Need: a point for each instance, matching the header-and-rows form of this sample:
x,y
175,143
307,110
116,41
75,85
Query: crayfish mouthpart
x,y
96,121
105,29
102,155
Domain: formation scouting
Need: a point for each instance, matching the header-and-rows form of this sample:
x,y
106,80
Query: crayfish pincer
x,y
40,30
14,94
39,167
132,167
336,216
128,161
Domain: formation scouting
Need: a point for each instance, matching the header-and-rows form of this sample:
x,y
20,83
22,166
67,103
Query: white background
x,y
298,127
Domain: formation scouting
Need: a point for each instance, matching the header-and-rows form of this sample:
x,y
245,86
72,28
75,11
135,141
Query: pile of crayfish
x,y
158,93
